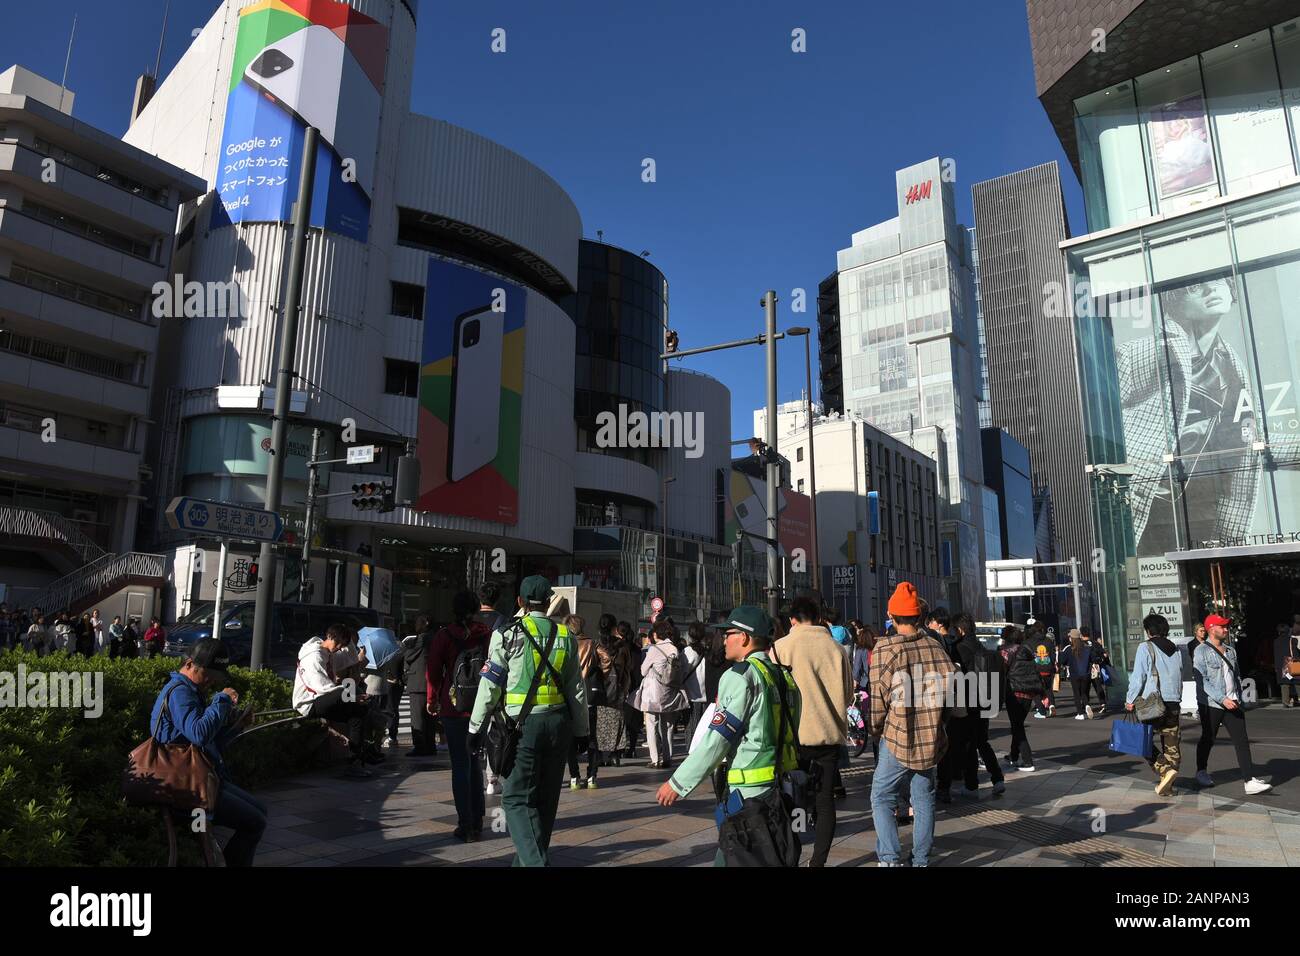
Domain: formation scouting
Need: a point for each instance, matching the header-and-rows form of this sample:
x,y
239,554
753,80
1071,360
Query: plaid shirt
x,y
910,680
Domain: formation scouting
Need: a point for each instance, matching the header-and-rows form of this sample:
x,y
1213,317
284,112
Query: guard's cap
x,y
535,589
750,619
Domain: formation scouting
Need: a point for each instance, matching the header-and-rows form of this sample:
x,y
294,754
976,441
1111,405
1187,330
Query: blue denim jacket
x,y
1143,680
187,719
1210,668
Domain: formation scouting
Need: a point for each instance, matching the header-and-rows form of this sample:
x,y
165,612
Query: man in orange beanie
x,y
911,674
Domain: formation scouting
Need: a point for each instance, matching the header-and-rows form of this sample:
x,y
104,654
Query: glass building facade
x,y
909,336
1187,327
621,313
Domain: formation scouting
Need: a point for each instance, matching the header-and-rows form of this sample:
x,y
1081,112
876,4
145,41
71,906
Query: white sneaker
x,y
1204,779
1028,769
1038,716
1087,709
491,788
1255,785
573,784
1079,717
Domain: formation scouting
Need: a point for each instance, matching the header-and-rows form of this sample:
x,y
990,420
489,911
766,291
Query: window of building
x,y
401,378
1286,40
408,300
1249,122
798,453
1111,157
800,487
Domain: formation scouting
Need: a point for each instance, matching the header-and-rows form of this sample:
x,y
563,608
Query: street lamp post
x,y
812,456
663,551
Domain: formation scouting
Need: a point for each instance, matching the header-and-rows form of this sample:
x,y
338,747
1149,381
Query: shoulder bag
x,y
1293,659
502,740
180,776
1152,706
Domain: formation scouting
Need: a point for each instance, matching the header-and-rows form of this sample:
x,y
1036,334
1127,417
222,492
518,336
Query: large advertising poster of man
x,y
471,394
301,63
1187,388
1180,140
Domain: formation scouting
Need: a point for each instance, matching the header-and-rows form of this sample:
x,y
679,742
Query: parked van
x,y
291,625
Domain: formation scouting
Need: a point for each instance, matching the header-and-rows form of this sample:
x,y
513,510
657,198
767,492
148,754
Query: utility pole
x,y
812,459
303,583
773,465
268,560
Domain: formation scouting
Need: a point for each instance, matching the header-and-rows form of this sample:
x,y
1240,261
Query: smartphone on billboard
x,y
475,391
312,75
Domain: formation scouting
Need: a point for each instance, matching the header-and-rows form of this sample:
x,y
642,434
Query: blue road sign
x,y
222,520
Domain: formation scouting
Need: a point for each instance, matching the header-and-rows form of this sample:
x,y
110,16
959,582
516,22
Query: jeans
x,y
1235,720
243,812
530,796
889,777
466,774
1017,710
819,763
393,704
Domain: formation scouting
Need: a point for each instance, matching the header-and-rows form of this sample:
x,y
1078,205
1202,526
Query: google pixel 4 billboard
x,y
301,63
471,394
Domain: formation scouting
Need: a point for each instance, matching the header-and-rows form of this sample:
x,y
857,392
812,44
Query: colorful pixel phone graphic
x,y
301,63
746,510
471,394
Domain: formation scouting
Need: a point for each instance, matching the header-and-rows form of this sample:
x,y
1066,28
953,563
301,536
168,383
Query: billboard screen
x,y
747,511
471,394
301,63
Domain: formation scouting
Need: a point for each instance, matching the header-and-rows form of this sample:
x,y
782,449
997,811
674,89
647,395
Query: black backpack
x,y
466,673
992,677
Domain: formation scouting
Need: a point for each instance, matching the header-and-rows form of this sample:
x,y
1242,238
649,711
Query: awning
x,y
1245,551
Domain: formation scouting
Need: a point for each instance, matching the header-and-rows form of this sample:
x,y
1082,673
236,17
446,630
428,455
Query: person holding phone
x,y
318,693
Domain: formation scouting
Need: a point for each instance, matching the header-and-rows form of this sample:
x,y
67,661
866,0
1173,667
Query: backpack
x,y
1022,672
466,673
988,665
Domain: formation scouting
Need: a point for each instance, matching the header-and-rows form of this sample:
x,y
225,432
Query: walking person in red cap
x,y
1216,662
910,684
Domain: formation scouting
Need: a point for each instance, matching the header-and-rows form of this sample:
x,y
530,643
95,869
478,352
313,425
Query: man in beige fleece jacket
x,y
823,675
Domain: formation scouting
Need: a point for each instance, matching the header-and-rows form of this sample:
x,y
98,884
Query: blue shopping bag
x,y
1129,735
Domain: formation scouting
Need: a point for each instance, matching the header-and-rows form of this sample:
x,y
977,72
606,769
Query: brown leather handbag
x,y
173,775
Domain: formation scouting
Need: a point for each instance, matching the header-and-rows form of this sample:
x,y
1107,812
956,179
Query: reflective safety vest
x,y
548,693
764,768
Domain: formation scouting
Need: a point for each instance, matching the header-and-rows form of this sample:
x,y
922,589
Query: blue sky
x,y
767,160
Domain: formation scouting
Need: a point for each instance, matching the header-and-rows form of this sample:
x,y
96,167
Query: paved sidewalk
x,y
1058,816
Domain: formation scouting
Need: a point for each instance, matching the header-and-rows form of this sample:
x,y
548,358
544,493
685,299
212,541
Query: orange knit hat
x,y
904,602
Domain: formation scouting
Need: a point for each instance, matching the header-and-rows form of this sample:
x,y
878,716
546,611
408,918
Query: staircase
x,y
106,574
31,528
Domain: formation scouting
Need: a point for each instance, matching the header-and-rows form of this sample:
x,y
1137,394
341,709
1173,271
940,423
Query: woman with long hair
x,y
1077,657
612,681
464,633
864,640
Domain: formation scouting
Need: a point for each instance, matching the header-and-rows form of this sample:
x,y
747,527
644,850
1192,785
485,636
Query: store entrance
x,y
1260,595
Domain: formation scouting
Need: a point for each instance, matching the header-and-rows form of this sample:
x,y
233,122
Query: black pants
x,y
819,763
1049,695
1235,722
1017,710
391,706
980,749
1081,687
594,755
352,713
421,736
954,759
633,720
1099,688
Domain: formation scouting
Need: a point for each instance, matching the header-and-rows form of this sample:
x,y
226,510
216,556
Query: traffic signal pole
x,y
773,465
268,559
303,583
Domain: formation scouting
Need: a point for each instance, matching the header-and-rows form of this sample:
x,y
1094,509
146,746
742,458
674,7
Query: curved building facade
x,y
426,214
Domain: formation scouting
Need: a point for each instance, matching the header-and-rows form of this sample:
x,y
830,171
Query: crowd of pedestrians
x,y
86,634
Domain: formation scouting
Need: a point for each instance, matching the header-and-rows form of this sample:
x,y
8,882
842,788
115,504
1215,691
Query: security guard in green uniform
x,y
746,721
556,715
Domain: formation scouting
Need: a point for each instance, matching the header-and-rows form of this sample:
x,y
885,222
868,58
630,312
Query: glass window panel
x,y
1241,83
1171,104
1286,40
1111,158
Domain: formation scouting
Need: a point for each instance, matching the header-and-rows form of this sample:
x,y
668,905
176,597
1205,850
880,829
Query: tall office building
x,y
1185,133
908,340
1033,390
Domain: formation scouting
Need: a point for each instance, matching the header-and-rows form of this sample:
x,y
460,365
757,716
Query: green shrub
x,y
61,772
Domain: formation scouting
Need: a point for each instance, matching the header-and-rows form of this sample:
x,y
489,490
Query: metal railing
x,y
29,523
97,576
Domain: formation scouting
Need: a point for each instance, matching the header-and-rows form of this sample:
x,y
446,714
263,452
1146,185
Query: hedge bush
x,y
60,771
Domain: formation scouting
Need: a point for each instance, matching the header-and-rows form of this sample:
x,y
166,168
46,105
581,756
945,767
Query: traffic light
x,y
670,340
252,572
373,496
